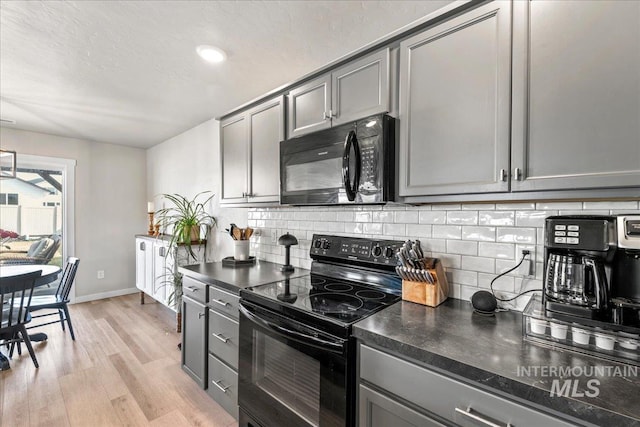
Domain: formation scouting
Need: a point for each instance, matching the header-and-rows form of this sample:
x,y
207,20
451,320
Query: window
x,y
8,198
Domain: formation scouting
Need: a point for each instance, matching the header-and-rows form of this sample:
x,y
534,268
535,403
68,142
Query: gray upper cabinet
x,y
250,150
356,90
455,98
576,105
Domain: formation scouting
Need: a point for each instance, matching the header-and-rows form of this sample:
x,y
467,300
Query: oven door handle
x,y
334,347
351,188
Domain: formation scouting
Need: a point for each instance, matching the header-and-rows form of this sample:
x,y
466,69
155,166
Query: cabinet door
x,y
266,130
378,410
308,107
576,85
455,83
140,263
148,267
360,88
234,143
160,251
194,339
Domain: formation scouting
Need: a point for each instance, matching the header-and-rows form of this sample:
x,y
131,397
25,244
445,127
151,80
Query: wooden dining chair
x,y
15,298
59,300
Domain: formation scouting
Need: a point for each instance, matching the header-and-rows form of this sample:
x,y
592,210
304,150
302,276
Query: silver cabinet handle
x,y
163,251
222,389
201,315
192,288
502,175
474,415
220,302
517,174
142,246
220,337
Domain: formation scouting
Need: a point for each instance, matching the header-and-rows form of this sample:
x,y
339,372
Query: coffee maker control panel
x,y
629,231
580,233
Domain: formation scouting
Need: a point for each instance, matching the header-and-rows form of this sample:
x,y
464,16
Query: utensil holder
x,y
429,294
241,250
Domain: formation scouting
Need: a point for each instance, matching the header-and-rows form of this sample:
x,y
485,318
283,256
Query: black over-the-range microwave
x,y
347,164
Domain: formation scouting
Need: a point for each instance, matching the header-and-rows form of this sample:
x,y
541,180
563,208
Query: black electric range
x,y
297,358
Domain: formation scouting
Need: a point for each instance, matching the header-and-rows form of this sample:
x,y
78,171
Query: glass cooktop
x,y
324,296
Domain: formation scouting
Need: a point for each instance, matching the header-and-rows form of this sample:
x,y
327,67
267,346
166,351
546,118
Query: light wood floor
x,y
122,370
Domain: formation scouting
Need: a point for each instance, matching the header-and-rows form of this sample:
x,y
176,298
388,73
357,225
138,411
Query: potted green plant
x,y
187,219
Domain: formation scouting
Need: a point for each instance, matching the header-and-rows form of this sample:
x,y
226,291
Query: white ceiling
x,y
126,72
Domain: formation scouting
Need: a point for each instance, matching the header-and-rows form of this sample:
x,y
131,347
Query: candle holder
x,y
151,230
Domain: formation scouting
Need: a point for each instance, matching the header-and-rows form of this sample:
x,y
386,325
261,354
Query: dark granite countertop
x,y
489,351
233,279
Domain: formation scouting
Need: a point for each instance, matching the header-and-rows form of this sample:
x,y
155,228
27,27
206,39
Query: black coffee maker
x,y
625,281
579,255
592,270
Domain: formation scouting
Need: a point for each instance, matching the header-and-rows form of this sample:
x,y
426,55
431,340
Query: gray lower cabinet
x,y
250,154
222,345
194,338
455,82
436,397
379,410
356,90
576,103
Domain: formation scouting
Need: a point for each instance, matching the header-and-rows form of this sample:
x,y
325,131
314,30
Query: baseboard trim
x,y
103,295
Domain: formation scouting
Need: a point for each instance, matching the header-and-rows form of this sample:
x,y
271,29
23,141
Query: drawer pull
x,y
476,416
220,302
220,337
222,389
192,288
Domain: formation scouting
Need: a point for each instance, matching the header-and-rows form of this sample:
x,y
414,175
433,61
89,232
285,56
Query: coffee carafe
x,y
578,255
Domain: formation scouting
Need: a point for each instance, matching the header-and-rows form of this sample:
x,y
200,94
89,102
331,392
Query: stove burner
x,y
338,287
317,281
368,294
328,302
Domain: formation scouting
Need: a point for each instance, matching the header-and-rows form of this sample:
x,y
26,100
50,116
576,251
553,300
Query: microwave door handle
x,y
335,347
351,188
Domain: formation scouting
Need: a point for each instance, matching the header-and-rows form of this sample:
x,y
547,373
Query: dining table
x,y
49,274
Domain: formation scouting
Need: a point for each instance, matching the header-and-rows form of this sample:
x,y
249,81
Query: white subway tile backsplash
x,y
462,217
496,218
516,235
432,217
474,241
487,234
462,247
416,231
446,231
406,217
496,250
480,264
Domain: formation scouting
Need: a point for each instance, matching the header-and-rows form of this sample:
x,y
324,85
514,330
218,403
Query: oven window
x,y
287,375
314,175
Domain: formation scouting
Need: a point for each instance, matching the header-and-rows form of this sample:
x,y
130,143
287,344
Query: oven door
x,y
290,374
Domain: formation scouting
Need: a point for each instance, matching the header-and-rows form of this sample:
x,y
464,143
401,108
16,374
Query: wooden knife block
x,y
428,294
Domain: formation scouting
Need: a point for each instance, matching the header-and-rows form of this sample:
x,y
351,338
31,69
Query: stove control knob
x,y
376,251
317,244
389,252
325,245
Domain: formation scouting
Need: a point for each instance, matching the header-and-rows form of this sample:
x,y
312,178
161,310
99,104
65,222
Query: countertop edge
x,y
495,383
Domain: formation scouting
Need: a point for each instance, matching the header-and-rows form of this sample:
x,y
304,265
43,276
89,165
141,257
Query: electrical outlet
x,y
527,268
100,274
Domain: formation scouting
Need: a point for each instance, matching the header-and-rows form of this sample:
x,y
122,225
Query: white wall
x,y
110,199
188,164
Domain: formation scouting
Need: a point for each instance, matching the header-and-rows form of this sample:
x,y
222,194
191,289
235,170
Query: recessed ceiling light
x,y
211,53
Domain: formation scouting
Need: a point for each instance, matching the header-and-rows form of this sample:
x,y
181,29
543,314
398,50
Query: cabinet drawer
x,y
443,396
223,338
224,302
223,386
194,289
